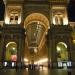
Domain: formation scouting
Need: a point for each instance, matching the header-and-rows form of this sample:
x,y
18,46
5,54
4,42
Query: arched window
x,y
14,18
34,33
62,56
11,51
58,19
62,53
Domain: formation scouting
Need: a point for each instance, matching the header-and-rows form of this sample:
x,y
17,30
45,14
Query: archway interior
x,y
62,55
11,51
36,25
62,52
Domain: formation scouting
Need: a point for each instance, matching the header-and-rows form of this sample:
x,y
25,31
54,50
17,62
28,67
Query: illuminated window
x,y
13,18
13,64
58,19
62,53
11,51
5,64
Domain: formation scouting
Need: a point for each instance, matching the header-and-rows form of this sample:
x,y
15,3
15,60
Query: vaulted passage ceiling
x,y
36,25
36,55
36,46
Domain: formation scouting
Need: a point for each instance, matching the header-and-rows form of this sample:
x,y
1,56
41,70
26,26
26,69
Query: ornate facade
x,y
36,30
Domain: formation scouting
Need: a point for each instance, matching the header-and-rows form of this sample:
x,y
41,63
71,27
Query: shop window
x,y
62,53
11,51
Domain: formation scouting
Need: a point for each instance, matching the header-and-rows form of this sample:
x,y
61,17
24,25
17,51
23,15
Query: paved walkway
x,y
44,71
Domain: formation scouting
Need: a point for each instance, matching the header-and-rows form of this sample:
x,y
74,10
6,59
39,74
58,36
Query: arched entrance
x,y
62,52
36,25
11,51
36,17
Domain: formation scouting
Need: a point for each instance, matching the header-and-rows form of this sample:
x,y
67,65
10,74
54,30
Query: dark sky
x,y
2,8
71,10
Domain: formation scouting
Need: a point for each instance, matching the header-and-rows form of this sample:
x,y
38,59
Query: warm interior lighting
x,y
13,64
65,21
58,49
36,17
7,20
54,20
35,50
73,41
10,43
5,63
41,61
48,27
59,17
19,20
63,44
64,64
14,57
25,60
62,54
13,48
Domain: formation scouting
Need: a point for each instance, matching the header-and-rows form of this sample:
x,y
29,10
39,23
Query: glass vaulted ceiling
x,y
35,32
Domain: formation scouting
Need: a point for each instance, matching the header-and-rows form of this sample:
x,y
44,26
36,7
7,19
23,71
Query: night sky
x,y
2,8
71,10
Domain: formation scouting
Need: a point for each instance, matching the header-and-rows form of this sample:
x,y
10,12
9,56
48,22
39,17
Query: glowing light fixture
x,y
73,41
35,50
64,64
59,64
25,60
5,64
13,64
58,49
13,48
41,61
